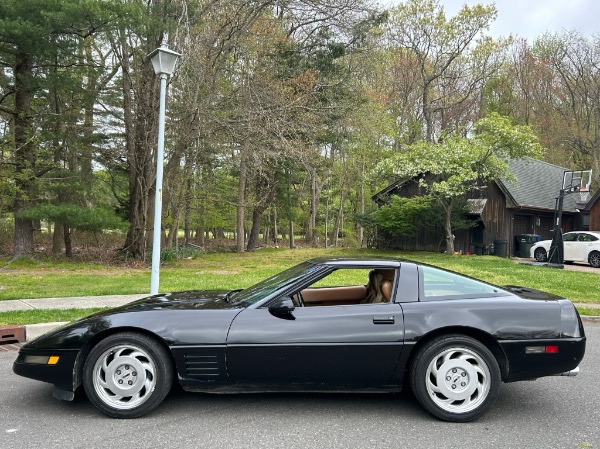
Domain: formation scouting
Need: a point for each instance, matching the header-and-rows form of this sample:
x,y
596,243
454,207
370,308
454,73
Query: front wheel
x,y
540,255
127,375
455,378
594,259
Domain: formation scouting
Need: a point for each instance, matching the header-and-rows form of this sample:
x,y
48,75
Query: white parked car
x,y
580,246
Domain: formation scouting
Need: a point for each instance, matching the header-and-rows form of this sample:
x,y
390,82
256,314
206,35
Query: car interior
x,y
378,289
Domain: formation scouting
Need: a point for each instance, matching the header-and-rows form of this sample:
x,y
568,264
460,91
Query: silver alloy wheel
x,y
124,377
540,254
458,380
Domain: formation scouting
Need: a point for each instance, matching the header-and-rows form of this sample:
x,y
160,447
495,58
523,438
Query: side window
x,y
589,237
439,284
570,237
344,277
348,286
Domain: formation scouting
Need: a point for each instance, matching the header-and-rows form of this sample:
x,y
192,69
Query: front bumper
x,y
60,374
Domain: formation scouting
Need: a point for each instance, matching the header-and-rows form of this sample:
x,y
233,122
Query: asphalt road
x,y
556,412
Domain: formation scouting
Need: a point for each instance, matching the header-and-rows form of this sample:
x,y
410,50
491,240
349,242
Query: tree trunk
x,y
88,121
24,155
426,108
267,232
255,230
240,225
327,216
58,238
140,142
202,232
448,227
290,211
187,213
68,241
314,203
339,218
275,230
361,205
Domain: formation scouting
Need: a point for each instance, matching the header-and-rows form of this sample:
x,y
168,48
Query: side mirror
x,y
284,306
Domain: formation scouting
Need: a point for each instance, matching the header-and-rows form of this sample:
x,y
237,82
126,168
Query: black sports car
x,y
334,324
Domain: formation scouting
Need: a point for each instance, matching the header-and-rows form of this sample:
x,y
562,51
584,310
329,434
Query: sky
x,y
532,18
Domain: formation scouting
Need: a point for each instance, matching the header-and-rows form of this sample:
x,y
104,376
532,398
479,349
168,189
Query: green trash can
x,y
524,244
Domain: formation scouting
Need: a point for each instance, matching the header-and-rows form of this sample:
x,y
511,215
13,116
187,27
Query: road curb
x,y
35,330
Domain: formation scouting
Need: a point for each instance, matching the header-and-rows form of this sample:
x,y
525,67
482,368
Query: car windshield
x,y
269,286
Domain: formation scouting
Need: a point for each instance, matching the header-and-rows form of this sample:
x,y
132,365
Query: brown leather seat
x,y
386,290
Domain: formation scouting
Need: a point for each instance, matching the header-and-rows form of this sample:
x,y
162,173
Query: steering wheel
x,y
298,300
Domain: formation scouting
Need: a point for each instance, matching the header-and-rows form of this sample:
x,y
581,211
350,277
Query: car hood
x,y
191,299
167,315
531,293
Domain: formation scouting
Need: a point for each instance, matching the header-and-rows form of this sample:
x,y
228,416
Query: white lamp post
x,y
163,61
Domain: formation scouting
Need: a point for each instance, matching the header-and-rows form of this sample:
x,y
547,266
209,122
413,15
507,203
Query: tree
x,y
436,56
457,165
573,60
75,217
38,39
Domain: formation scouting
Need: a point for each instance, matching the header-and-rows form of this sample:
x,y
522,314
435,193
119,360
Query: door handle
x,y
384,319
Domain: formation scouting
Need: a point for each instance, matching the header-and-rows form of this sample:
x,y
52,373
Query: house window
x,y
585,220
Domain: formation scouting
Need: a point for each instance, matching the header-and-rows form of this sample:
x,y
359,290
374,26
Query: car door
x,y
326,347
589,243
571,246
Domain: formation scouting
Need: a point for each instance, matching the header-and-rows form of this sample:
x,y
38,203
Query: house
x,y
501,211
590,214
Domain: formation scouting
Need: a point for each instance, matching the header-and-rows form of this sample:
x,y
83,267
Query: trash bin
x,y
478,249
524,244
501,248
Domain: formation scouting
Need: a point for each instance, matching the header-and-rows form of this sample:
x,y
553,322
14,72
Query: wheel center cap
x,y
457,379
126,375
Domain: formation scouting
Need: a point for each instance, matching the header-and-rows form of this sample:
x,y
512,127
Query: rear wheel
x,y
594,259
127,375
540,255
455,378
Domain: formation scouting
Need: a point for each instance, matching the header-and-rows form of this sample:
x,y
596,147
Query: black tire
x,y
127,375
540,255
594,259
467,380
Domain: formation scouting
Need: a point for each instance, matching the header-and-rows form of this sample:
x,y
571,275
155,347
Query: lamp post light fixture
x,y
163,60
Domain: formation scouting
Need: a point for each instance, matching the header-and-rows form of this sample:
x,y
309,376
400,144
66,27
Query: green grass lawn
x,y
46,279
22,317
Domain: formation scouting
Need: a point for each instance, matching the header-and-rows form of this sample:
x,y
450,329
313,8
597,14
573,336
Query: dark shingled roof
x,y
537,185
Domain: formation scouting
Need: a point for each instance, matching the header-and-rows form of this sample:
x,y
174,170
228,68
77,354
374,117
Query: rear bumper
x,y
574,372
522,366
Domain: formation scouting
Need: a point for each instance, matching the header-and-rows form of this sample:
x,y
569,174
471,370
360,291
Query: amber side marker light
x,y
42,359
553,349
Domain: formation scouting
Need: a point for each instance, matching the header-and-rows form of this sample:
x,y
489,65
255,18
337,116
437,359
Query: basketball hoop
x,y
577,181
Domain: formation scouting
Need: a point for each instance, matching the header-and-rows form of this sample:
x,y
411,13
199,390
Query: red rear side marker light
x,y
551,349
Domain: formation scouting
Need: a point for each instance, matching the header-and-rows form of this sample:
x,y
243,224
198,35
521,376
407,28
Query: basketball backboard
x,y
577,180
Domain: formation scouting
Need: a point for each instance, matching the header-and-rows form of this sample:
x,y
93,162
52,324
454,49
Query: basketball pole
x,y
556,255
